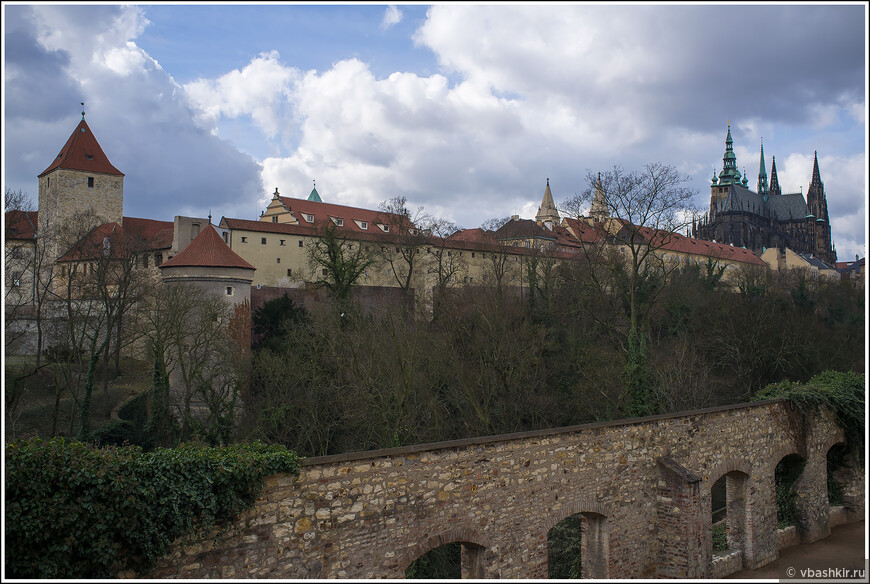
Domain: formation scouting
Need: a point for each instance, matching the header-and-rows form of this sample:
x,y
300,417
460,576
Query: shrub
x,y
77,512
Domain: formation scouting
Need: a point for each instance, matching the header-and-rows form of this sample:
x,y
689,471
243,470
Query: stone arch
x,y
781,453
739,523
473,544
726,466
596,535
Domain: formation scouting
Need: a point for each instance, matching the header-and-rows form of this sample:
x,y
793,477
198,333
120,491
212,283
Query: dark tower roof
x,y
774,181
762,176
82,152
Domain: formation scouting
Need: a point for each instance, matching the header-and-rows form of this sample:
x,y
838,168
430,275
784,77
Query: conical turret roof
x,y
208,250
82,152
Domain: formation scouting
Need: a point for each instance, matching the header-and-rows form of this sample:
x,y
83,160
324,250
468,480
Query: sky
x,y
464,109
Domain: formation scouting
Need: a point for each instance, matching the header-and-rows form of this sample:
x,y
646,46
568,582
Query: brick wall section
x,y
370,514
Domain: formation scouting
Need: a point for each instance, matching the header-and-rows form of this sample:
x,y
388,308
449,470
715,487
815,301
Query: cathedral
x,y
767,217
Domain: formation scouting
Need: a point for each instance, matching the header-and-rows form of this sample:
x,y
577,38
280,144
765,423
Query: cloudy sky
x,y
465,109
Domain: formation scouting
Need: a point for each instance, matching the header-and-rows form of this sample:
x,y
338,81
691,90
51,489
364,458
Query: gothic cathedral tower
x,y
80,180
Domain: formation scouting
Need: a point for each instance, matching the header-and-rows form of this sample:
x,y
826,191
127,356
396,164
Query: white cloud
x,y
392,16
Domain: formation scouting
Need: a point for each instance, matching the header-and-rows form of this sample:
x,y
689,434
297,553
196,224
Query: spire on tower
x,y
729,174
547,211
762,175
774,181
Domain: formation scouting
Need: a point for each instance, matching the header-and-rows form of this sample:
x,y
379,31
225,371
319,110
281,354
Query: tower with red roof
x,y
79,180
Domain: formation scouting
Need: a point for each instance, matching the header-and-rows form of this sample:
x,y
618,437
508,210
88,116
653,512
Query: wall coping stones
x,y
481,440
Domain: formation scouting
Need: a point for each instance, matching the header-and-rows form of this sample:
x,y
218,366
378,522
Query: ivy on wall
x,y
77,512
840,392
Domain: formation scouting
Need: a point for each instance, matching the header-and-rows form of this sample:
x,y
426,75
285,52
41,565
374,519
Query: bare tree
x,y
646,209
402,251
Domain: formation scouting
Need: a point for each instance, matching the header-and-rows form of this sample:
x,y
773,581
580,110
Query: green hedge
x,y
77,512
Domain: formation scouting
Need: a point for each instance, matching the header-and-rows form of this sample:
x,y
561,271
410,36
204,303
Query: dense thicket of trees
x,y
494,363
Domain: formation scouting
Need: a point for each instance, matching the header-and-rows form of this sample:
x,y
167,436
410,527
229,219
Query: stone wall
x,y
642,485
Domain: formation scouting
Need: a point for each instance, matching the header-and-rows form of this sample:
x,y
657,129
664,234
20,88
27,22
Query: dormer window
x,y
361,224
308,217
338,221
384,228
89,156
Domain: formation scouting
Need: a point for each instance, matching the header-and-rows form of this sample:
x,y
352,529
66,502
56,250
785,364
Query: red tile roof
x,y
132,235
584,232
681,243
208,250
82,152
21,225
476,235
319,210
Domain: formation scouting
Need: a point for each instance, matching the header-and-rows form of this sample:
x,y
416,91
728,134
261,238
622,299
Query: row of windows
x,y
263,241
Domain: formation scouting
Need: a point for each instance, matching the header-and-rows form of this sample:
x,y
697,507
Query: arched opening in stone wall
x,y
786,476
839,469
450,561
577,547
728,514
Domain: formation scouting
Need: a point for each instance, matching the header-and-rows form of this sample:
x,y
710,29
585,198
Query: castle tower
x,y
547,211
209,263
599,211
817,206
80,179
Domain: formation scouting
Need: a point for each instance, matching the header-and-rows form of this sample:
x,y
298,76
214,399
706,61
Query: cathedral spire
x,y
774,181
817,203
762,175
729,174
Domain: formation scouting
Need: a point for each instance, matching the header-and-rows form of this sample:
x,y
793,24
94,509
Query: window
x,y
158,258
90,182
363,225
244,240
274,218
277,260
308,217
262,241
226,238
289,272
145,261
324,271
48,182
281,242
472,254
300,243
338,221
229,290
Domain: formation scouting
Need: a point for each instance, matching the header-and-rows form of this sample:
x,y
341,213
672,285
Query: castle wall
x,y
370,514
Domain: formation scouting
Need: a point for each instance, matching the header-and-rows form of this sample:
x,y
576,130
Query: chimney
x,y
515,217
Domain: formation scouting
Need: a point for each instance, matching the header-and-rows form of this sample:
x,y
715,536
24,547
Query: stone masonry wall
x,y
370,514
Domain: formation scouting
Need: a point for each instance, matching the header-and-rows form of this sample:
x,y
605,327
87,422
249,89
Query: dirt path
x,y
844,548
